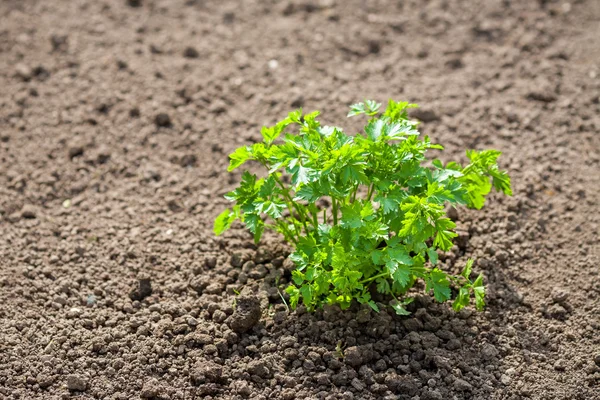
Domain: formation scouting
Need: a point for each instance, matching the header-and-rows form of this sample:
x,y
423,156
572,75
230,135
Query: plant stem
x,y
334,210
373,278
315,219
287,231
370,192
291,204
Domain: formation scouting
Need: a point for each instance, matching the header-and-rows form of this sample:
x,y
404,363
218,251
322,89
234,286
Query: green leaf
x,y
397,110
351,217
400,255
438,281
369,107
398,306
433,255
383,286
308,193
372,304
466,272
401,273
224,221
238,157
443,239
301,174
462,300
479,291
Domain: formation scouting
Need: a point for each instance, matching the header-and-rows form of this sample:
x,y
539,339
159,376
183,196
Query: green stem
x,y
373,278
354,193
370,192
288,233
315,219
291,204
335,211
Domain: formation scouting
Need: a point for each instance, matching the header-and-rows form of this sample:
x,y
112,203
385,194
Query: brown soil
x,y
116,118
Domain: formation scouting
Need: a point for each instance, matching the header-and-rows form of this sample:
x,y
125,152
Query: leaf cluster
x,y
364,212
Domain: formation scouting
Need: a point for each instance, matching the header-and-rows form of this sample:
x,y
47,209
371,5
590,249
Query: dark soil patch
x,y
116,118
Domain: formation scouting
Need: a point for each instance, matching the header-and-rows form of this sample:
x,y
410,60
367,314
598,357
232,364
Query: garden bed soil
x,y
116,118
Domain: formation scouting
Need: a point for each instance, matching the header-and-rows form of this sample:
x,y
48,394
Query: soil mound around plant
x,y
116,118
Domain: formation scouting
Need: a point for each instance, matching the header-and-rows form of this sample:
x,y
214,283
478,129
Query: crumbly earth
x,y
116,118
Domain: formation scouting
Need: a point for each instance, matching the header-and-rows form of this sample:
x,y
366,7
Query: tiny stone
x,y
74,313
560,365
162,120
76,382
23,71
28,211
191,52
462,385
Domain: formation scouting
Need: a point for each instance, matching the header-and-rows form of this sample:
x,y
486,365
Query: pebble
x,y
560,365
74,313
76,382
28,211
488,351
462,385
23,71
162,120
191,52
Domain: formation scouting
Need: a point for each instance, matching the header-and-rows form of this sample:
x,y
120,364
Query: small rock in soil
x,y
207,372
23,71
353,356
488,351
424,115
597,360
557,311
560,365
76,382
143,290
28,211
162,120
150,389
432,395
134,3
191,52
247,314
559,295
462,385
75,151
59,42
401,384
259,368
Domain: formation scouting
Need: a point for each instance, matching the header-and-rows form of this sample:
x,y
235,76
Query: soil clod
x,y
246,314
143,289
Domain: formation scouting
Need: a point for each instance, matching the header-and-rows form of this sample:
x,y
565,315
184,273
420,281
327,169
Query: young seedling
x,y
386,219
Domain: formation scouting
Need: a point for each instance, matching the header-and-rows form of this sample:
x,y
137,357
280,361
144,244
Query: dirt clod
x,y
162,120
247,314
77,382
29,211
191,52
143,289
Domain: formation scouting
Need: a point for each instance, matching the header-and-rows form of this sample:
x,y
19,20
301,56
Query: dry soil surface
x,y
116,118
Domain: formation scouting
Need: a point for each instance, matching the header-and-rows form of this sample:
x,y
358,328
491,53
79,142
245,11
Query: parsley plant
x,y
386,218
